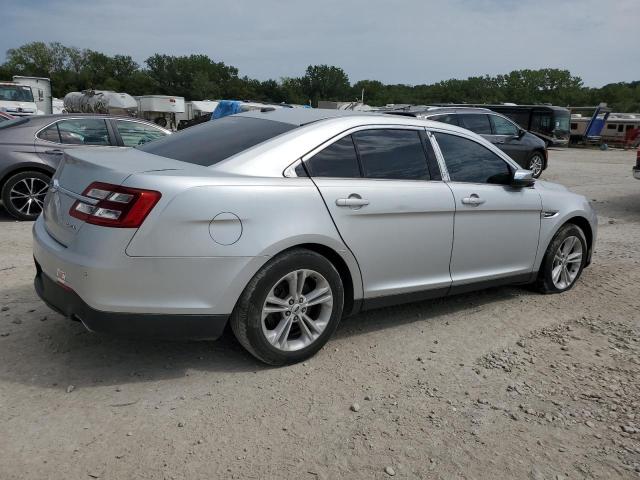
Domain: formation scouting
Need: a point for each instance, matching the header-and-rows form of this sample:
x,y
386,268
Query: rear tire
x,y
564,260
23,194
286,278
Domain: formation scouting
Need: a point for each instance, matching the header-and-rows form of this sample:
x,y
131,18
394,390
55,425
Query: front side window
x,y
83,131
338,160
392,154
468,161
502,126
136,133
478,123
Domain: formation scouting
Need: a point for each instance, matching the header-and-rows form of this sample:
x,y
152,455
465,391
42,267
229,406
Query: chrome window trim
x,y
359,128
74,117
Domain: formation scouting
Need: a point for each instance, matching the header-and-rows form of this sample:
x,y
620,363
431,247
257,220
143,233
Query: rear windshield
x,y
213,141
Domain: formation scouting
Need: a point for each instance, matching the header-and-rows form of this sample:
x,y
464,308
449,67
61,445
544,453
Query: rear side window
x,y
392,154
446,118
216,140
468,161
337,160
478,123
50,134
83,131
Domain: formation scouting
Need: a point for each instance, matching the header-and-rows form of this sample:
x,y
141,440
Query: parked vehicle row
x,y
529,151
31,149
282,221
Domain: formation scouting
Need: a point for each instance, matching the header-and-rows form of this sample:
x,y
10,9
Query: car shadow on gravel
x,y
40,347
4,216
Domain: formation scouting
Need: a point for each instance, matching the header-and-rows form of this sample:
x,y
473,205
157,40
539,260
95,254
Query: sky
x,y
394,41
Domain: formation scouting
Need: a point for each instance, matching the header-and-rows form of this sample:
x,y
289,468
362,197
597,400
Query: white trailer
x,y
196,109
161,109
41,90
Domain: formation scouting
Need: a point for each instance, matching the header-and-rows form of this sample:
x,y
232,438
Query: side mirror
x,y
522,178
521,133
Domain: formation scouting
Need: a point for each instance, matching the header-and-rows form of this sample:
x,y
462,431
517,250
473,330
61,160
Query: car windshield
x,y
216,140
16,93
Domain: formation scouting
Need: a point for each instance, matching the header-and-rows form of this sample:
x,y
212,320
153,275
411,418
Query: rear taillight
x,y
117,206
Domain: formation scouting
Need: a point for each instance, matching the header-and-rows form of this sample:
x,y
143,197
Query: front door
x,y
396,220
496,226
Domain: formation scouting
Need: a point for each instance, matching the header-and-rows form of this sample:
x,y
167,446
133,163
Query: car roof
x,y
301,116
420,110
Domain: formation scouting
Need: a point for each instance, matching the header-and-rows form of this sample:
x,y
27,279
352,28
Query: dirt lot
x,y
503,383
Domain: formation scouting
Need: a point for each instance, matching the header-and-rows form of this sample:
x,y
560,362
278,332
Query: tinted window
x,y
50,134
392,154
476,123
446,118
136,133
83,131
337,160
468,161
215,140
502,126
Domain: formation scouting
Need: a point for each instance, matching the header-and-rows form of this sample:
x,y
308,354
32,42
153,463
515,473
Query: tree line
x,y
198,77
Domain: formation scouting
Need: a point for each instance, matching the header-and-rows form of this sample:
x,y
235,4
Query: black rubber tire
x,y
541,155
544,283
8,185
246,317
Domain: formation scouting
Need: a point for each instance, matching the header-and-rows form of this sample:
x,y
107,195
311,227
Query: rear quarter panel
x,y
275,214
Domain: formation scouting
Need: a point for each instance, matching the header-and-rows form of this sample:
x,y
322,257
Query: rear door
x,y
382,187
71,133
496,226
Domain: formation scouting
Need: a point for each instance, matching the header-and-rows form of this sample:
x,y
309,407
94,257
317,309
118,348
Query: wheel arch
x,y
351,304
585,226
35,167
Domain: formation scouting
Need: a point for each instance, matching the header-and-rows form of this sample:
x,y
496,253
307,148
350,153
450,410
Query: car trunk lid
x,y
78,169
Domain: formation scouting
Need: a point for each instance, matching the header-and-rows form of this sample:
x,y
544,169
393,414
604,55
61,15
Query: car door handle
x,y
473,199
354,200
54,152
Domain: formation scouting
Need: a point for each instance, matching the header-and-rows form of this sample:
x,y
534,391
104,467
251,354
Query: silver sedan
x,y
281,222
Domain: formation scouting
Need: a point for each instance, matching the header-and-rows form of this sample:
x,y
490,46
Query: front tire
x,y
536,164
290,308
564,260
23,194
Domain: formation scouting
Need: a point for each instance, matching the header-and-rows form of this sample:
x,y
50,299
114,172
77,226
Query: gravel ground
x,y
504,383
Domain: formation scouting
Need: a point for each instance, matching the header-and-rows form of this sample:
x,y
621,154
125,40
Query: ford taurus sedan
x,y
31,148
280,222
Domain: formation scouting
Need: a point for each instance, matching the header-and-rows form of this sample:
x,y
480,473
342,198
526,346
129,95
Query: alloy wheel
x,y
535,165
27,195
567,262
297,310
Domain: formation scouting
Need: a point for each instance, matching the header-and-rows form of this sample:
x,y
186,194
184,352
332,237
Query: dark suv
x,y
526,149
31,148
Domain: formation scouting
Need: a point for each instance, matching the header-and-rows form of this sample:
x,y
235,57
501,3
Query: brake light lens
x,y
120,207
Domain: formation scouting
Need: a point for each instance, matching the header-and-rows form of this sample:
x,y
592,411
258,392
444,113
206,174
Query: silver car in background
x,y
283,221
31,148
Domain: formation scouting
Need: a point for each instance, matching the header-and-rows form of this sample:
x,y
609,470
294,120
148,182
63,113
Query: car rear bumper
x,y
163,326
